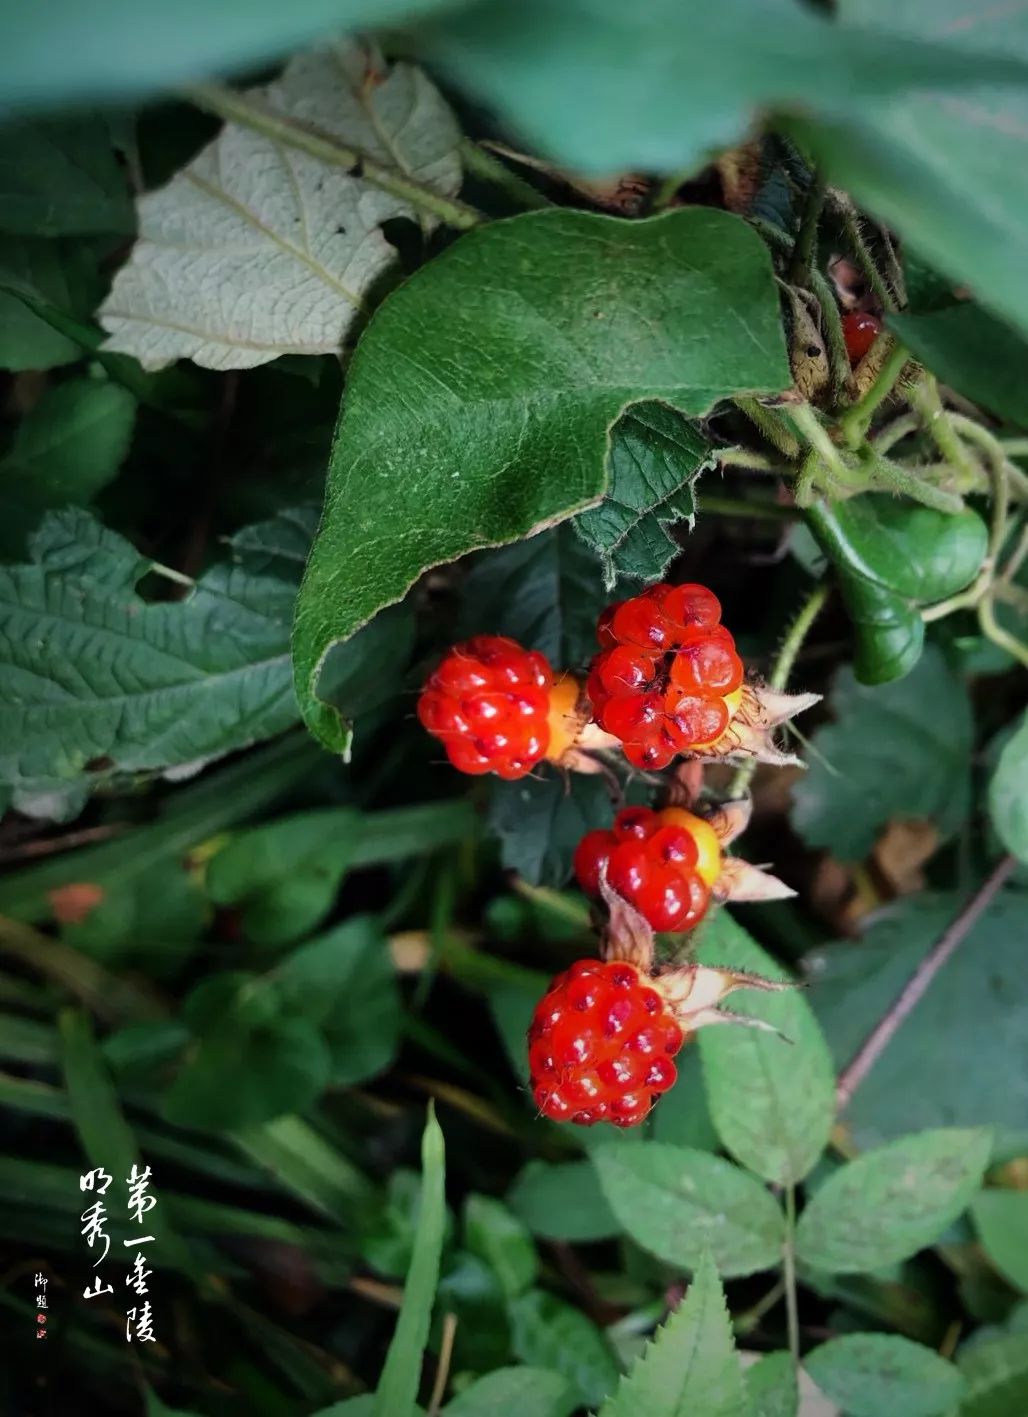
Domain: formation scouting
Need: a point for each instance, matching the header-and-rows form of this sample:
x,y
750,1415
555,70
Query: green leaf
x,y
61,178
941,1067
389,1232
344,983
493,1233
656,456
690,1369
61,273
937,164
772,1387
256,250
890,558
893,1201
481,394
683,1117
871,1373
680,1204
106,1138
101,682
563,1202
541,819
152,920
547,1333
1001,1219
772,1102
398,1386
156,1408
997,1378
64,451
248,1063
971,351
1008,794
897,750
132,47
546,592
510,1391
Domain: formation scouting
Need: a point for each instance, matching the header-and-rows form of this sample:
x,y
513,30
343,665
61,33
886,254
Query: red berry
x,y
859,330
664,672
600,1045
662,863
489,703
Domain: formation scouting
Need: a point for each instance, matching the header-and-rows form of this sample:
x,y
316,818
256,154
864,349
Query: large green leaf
x,y
398,1386
497,1236
541,819
997,1378
546,592
61,178
893,1201
132,47
548,1333
868,1374
772,1101
895,750
100,681
679,1204
344,983
59,273
690,1369
772,1387
656,456
256,250
1008,793
970,1028
1001,1219
480,396
563,1202
512,1390
890,558
971,351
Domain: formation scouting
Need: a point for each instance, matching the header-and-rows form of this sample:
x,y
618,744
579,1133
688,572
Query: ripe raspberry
x,y
667,676
600,1045
489,704
859,330
664,863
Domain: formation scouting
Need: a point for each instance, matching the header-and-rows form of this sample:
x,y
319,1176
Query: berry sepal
x,y
750,734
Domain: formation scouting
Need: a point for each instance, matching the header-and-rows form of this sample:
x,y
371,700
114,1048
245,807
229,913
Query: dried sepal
x,y
694,991
751,731
730,819
741,881
629,935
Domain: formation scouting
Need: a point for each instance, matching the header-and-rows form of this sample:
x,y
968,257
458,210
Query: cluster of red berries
x,y
665,672
600,1045
488,703
663,863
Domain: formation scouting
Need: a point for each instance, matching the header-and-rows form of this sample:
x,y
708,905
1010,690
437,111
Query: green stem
x,y
896,478
996,452
815,435
281,128
789,1274
856,420
755,462
896,431
783,667
751,511
831,324
667,190
866,262
1014,447
925,401
770,425
487,168
802,262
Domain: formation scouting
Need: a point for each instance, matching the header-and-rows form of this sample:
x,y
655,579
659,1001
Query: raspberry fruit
x,y
667,678
860,331
600,1045
499,708
663,863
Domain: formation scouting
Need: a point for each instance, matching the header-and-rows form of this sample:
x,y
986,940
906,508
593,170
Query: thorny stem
x,y
802,262
789,1274
281,128
742,457
815,435
770,425
831,324
917,985
925,400
783,667
895,432
488,168
856,420
866,262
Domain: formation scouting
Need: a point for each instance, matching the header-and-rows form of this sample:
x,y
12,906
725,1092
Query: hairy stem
x,y
281,128
802,262
917,985
770,424
488,168
866,262
783,667
925,400
856,420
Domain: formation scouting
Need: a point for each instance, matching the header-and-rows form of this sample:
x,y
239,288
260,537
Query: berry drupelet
x,y
667,678
663,863
859,330
601,1044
